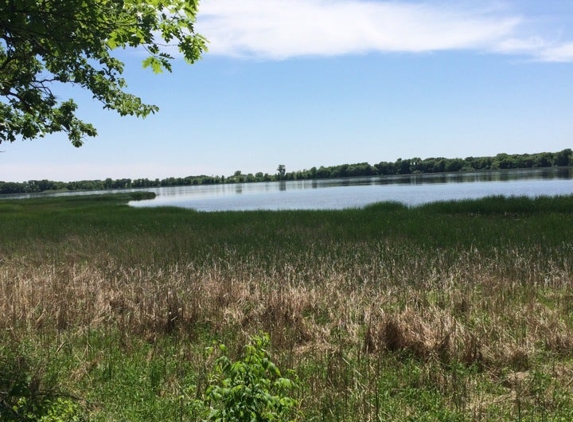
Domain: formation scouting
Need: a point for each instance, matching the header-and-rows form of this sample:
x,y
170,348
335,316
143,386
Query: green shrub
x,y
140,196
26,394
251,389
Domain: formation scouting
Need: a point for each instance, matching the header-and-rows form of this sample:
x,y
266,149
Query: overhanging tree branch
x,y
71,41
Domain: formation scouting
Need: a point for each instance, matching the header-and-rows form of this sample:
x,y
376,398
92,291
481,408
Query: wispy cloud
x,y
281,29
557,53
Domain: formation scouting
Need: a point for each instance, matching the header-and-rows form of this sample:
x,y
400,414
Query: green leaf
x,y
154,63
250,389
70,42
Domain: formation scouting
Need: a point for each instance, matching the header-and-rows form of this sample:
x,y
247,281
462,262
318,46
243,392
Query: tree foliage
x,y
46,43
384,168
250,389
281,171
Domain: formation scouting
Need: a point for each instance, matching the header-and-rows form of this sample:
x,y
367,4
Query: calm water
x,y
358,192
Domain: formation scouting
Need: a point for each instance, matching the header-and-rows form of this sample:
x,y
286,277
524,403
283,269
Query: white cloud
x,y
520,46
557,53
538,49
281,29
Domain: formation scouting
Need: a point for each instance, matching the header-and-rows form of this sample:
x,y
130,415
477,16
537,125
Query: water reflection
x,y
412,189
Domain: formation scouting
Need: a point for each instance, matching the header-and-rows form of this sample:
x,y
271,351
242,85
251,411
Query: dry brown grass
x,y
492,321
498,326
383,316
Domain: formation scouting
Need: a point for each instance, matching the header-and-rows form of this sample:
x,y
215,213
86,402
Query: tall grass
x,y
449,311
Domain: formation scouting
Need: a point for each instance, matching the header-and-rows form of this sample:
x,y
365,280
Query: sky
x,y
325,82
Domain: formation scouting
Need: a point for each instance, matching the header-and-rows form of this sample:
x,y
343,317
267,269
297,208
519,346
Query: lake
x,y
357,192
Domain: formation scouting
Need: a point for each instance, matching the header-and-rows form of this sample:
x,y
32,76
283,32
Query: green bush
x,y
27,395
140,196
251,389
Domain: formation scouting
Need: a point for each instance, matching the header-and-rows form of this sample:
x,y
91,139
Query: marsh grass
x,y
450,311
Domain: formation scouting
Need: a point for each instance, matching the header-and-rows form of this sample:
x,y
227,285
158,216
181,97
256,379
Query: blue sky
x,y
323,82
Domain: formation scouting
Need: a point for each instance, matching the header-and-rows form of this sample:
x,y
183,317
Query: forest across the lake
x,y
400,166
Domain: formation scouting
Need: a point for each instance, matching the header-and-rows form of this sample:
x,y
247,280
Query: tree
x,y
564,158
46,43
281,170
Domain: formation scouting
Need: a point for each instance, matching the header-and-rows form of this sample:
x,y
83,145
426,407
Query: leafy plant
x,y
44,44
250,389
27,395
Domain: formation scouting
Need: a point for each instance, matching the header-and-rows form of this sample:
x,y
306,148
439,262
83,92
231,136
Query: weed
x,y
249,389
454,311
28,394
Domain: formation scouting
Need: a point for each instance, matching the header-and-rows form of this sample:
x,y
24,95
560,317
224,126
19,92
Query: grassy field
x,y
445,312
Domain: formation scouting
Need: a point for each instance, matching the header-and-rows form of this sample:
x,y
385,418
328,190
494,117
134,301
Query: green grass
x,y
447,311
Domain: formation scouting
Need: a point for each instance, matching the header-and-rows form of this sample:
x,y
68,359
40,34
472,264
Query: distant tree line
x,y
33,186
383,168
440,165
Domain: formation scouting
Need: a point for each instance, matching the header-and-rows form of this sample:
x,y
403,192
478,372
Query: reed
x,y
451,311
